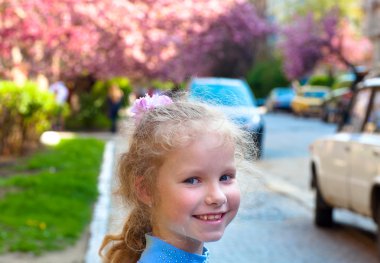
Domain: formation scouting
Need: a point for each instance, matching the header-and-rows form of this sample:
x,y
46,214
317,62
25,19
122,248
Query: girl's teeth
x,y
210,217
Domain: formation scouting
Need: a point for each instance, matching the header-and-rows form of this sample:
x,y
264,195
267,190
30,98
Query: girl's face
x,y
198,194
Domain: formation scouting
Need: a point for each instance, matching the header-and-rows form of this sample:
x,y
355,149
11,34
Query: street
x,y
275,221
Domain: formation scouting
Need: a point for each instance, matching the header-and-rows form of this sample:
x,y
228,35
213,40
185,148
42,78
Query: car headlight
x,y
254,123
256,119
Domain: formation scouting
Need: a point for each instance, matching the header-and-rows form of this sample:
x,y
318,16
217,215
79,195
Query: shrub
x,y
101,87
265,76
321,80
92,113
25,112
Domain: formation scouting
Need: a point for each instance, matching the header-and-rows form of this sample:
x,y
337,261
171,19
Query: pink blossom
x,y
141,39
141,105
306,42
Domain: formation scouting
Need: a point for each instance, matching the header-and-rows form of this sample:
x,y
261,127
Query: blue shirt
x,y
158,251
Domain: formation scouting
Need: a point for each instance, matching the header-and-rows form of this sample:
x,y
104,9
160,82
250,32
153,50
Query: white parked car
x,y
346,166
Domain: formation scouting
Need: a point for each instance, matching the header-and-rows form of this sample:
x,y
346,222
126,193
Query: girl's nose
x,y
215,196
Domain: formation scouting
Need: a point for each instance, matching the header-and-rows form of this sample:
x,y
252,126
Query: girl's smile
x,y
210,217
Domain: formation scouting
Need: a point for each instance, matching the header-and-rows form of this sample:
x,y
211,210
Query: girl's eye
x,y
226,177
192,180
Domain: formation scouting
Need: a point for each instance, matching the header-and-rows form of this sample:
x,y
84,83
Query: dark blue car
x,y
235,98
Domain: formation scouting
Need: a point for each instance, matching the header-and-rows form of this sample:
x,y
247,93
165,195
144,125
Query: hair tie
x,y
144,104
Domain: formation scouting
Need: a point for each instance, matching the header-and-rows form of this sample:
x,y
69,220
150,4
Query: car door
x,y
334,169
365,160
345,151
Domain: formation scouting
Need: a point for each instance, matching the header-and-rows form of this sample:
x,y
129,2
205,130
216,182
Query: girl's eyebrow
x,y
189,172
231,170
200,171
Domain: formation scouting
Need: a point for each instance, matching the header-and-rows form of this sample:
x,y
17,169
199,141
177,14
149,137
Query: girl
x,y
179,178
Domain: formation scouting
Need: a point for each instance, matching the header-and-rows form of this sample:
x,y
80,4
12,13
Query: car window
x,y
222,95
358,112
373,123
314,94
282,92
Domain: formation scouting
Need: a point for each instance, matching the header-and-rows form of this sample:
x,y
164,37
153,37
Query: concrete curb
x,y
99,224
306,198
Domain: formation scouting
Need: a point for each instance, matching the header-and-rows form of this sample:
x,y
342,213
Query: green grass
x,y
47,203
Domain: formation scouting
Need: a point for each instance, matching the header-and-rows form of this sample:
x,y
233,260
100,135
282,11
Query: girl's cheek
x,y
238,197
234,196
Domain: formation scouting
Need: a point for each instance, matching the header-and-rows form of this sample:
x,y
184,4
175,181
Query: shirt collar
x,y
160,251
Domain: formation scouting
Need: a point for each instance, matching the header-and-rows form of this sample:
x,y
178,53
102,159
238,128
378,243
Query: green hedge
x,y
25,112
266,75
92,114
321,80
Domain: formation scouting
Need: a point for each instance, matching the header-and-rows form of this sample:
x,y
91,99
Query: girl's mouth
x,y
210,217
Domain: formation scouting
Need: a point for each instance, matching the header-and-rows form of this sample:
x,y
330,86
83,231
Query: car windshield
x,y
233,95
282,92
315,94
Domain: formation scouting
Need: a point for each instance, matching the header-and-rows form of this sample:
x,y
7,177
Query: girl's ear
x,y
142,191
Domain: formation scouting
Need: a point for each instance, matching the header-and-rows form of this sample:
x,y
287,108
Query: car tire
x,y
323,214
324,113
378,227
324,117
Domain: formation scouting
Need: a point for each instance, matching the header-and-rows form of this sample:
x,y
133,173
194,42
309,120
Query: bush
x,y
92,114
321,80
25,112
124,85
89,115
265,76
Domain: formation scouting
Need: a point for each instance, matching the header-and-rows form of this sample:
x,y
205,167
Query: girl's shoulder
x,y
158,251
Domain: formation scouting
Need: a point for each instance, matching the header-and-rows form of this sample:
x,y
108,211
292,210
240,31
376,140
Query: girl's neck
x,y
186,244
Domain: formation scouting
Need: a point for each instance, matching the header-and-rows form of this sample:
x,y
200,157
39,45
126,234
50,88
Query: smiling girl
x,y
179,178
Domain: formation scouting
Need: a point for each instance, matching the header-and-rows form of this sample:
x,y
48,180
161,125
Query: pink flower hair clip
x,y
143,104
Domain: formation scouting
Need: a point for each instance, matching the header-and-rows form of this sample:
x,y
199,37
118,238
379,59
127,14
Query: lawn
x,y
46,200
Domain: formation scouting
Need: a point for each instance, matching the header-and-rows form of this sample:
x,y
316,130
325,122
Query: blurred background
x,y
144,46
75,67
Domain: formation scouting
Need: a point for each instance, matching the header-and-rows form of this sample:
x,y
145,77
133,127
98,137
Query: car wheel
x,y
378,227
324,117
324,114
323,216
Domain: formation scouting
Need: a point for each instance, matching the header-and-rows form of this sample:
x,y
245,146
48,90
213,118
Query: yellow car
x,y
309,100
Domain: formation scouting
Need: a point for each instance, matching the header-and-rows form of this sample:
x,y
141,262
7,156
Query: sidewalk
x,y
118,210
109,212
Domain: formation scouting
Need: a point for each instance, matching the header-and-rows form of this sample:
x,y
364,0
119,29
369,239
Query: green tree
x,y
266,75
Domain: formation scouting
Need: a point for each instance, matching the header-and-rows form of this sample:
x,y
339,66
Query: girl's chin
x,y
211,238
